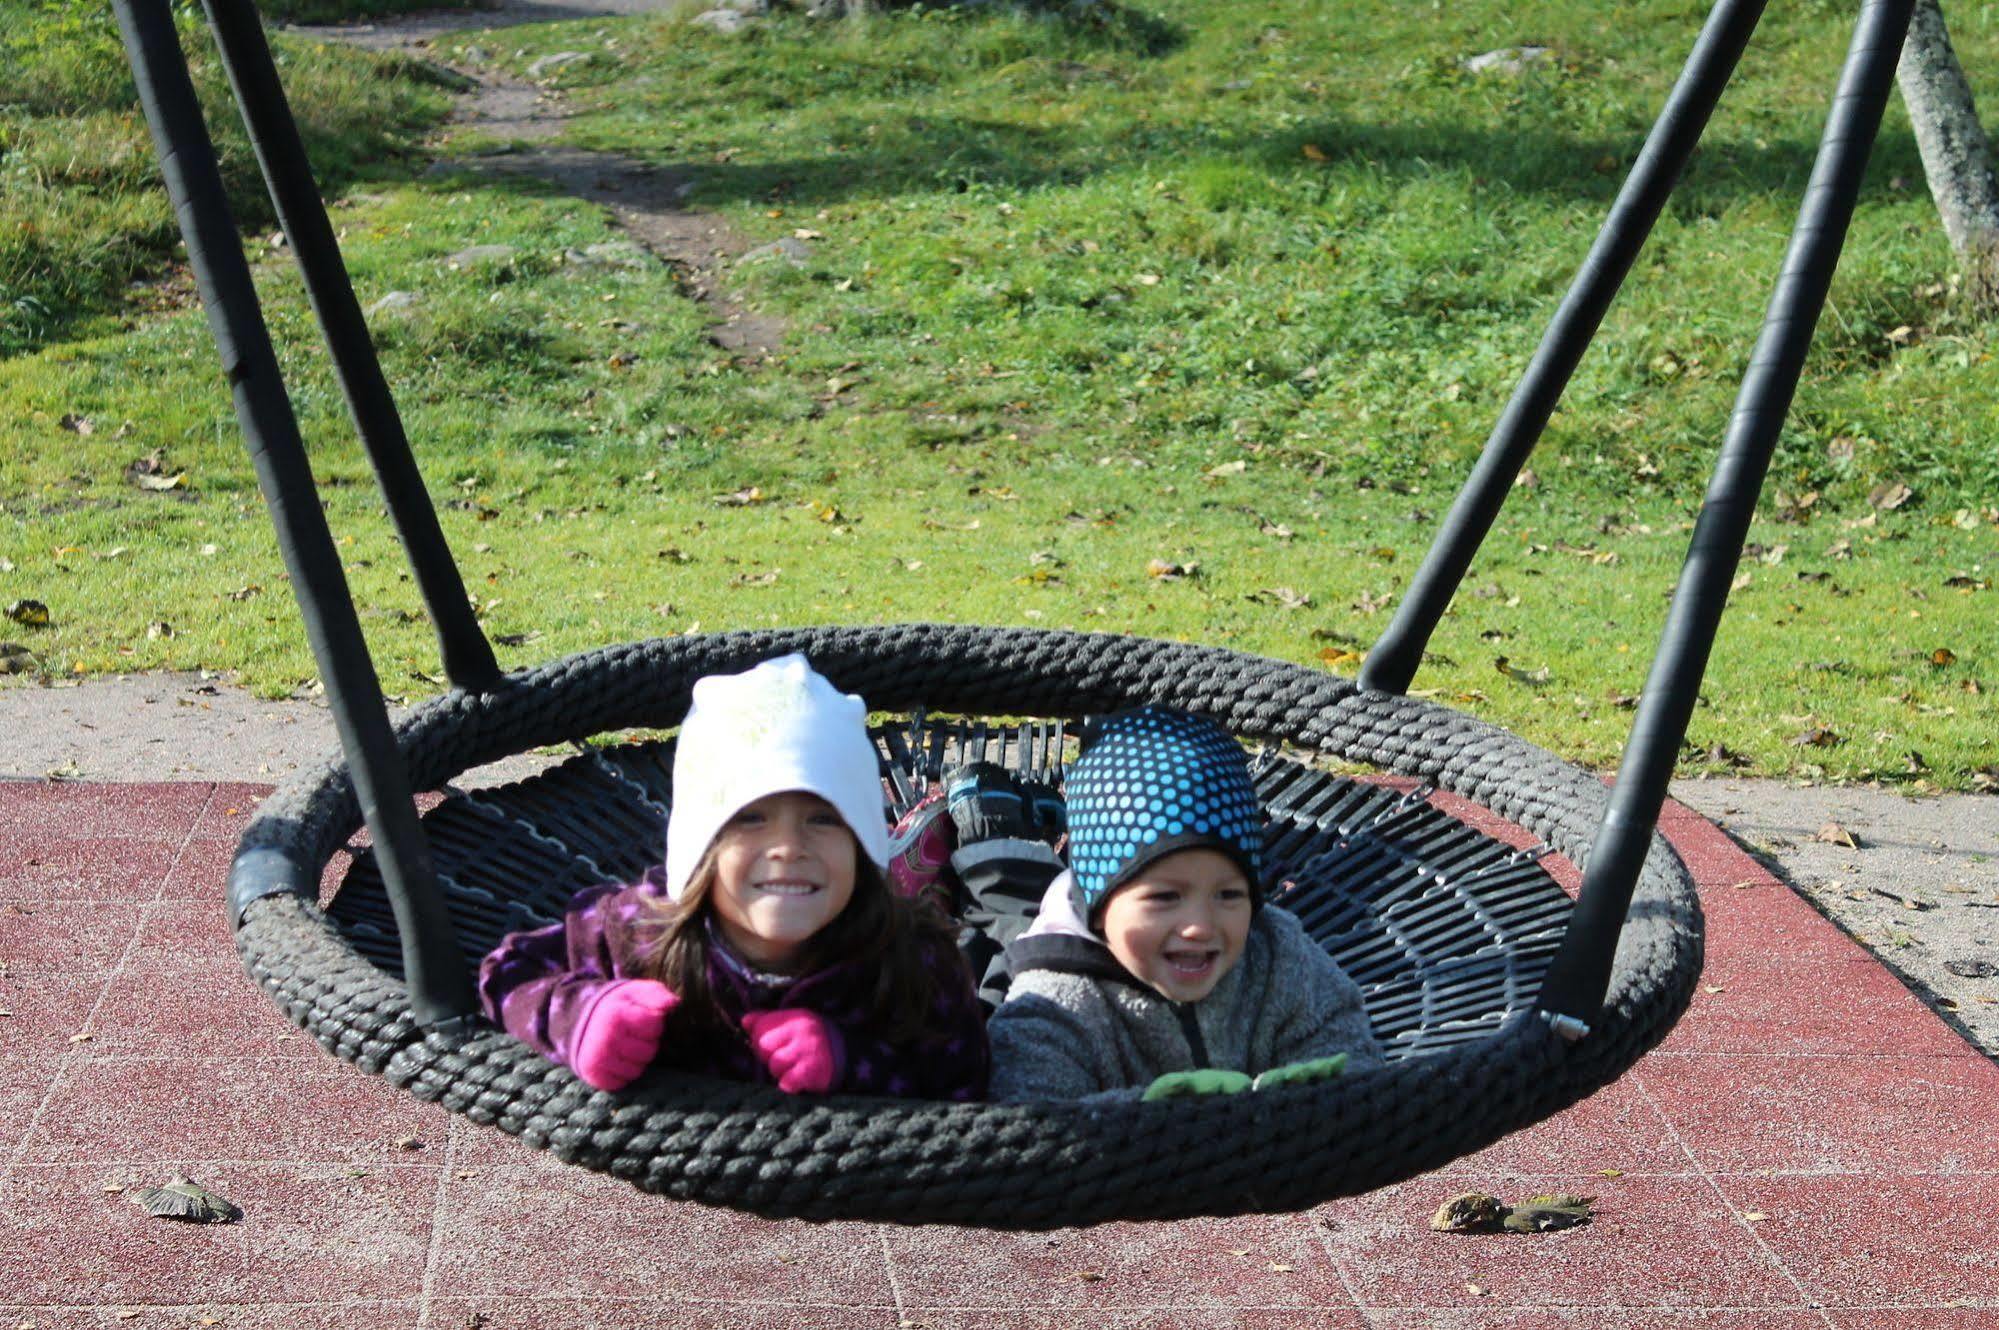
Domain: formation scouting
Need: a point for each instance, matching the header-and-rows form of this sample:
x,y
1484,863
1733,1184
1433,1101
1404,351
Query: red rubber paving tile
x,y
229,811
641,1313
66,935
45,1010
1819,1114
1598,1318
1916,1318
1882,1239
241,1108
44,868
179,932
201,1009
1151,1318
1655,1243
24,1082
1194,1264
1617,1127
87,809
1757,1011
201,872
210,1316
304,1237
539,1231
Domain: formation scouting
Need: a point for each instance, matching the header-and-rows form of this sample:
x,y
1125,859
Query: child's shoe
x,y
919,851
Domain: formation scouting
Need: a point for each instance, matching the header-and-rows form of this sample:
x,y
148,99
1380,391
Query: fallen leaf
x,y
1753,1216
1285,596
1889,496
1943,656
1167,571
1476,1290
1472,1212
1832,833
29,613
1226,469
186,1201
1371,604
742,498
1314,153
1532,678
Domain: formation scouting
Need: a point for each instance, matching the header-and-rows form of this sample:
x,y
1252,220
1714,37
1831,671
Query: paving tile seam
x,y
1735,1212
888,1271
438,1217
56,1081
1323,1236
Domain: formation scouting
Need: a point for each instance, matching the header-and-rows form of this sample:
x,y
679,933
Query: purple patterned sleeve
x,y
538,985
950,1060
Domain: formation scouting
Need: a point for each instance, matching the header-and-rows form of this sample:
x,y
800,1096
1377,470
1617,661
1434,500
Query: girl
x,y
771,949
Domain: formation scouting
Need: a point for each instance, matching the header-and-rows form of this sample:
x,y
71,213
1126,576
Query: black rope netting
x,y
1447,929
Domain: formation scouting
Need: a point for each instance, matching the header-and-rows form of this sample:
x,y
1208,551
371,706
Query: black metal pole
x,y
439,985
1580,974
260,97
1392,661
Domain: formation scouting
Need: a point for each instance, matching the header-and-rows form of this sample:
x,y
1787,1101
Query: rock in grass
x,y
721,20
187,1201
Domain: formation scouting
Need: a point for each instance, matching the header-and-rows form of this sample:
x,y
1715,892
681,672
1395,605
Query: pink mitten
x,y
620,1033
798,1046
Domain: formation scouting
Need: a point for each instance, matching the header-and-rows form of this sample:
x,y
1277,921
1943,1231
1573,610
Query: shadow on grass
x,y
930,154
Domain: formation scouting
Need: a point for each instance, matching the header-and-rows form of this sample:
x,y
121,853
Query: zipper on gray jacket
x,y
1190,1025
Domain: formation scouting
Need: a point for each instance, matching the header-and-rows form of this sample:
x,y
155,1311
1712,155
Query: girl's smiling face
x,y
784,869
1179,926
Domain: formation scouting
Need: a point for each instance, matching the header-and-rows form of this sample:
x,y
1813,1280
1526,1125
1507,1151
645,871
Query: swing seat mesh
x,y
1447,930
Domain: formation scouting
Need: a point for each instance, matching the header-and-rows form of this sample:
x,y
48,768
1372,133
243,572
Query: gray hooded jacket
x,y
1075,1022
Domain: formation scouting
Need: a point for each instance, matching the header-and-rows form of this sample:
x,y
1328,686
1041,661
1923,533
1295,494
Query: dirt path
x,y
643,200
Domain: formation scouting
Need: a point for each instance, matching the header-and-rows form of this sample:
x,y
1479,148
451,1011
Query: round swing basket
x,y
1447,929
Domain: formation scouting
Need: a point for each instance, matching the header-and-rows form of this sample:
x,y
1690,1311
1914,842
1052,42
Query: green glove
x,y
1302,1073
1208,1080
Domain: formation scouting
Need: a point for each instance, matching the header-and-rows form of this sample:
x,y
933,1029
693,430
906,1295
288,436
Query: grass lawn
x,y
1225,293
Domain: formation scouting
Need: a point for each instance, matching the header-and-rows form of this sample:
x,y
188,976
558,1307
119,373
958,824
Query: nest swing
x,y
1498,1001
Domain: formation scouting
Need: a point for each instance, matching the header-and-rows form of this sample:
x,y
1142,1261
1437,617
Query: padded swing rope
x,y
260,98
1392,661
1578,977
439,986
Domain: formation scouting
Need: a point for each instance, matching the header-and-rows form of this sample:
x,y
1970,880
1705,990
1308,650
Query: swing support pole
x,y
440,987
260,99
1391,663
1572,993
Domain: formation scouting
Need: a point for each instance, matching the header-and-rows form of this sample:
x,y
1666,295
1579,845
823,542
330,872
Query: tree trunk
x,y
1957,155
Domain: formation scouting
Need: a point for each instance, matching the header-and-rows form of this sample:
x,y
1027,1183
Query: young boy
x,y
1153,963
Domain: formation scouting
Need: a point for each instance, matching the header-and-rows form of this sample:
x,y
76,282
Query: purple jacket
x,y
537,985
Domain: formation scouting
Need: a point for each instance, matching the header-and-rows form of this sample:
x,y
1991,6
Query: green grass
x,y
1237,287
82,218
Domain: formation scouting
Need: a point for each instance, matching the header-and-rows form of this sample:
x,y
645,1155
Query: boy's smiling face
x,y
1180,924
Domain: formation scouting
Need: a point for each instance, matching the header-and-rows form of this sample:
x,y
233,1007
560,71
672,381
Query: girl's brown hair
x,y
877,928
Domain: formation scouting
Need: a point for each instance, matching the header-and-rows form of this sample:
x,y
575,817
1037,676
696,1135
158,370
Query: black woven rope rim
x,y
1019,1166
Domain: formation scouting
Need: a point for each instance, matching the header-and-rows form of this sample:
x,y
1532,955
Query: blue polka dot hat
x,y
1150,782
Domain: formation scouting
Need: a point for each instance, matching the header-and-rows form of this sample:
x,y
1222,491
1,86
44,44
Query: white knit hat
x,y
777,727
